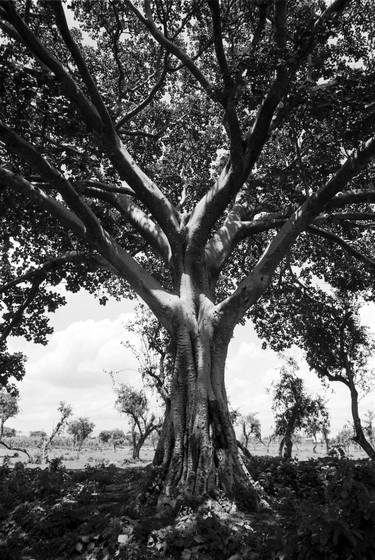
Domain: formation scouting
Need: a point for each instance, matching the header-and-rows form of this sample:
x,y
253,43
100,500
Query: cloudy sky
x,y
87,343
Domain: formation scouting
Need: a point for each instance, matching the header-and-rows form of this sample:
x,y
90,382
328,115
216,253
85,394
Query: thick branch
x,y
150,231
147,100
70,87
96,98
161,209
24,149
160,301
252,287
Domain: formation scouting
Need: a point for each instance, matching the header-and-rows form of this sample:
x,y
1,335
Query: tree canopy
x,y
214,158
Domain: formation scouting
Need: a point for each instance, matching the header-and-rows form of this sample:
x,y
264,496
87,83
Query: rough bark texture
x,y
198,450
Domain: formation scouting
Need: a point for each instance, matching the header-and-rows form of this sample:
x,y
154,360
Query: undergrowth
x,y
319,510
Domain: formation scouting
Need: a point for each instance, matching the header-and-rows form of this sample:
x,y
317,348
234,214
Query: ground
x,y
319,509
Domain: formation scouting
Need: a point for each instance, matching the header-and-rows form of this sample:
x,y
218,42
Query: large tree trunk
x,y
197,449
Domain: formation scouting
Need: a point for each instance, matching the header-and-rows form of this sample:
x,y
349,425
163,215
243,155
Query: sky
x,y
88,342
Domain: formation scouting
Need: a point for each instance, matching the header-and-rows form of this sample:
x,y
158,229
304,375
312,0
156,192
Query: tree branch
x,y
255,284
348,248
74,50
150,231
161,302
16,144
147,100
171,47
52,264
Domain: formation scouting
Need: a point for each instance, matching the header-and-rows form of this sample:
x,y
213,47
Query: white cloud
x,y
71,368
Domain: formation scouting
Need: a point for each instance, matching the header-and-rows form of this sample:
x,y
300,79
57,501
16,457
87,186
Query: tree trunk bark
x,y
359,434
197,450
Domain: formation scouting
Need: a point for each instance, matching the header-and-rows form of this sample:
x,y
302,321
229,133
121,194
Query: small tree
x,y
9,432
338,348
133,403
318,422
39,434
105,436
369,425
250,429
80,429
293,408
114,437
8,408
118,438
65,411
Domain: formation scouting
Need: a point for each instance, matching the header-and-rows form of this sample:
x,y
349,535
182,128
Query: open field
x,y
95,454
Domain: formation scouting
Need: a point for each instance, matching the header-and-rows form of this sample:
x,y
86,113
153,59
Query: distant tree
x,y
292,407
344,438
338,348
155,356
65,411
105,436
318,422
80,429
250,428
8,408
40,434
133,403
9,432
369,426
117,439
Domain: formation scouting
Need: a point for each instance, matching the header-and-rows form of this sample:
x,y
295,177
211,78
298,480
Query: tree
x,y
8,408
318,422
105,436
65,412
250,427
369,426
39,434
156,363
190,153
133,403
115,437
9,432
338,348
294,409
80,429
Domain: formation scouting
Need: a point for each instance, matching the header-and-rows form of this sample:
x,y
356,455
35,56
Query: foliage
x,y
9,432
320,509
115,437
12,368
250,427
39,434
8,408
80,429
